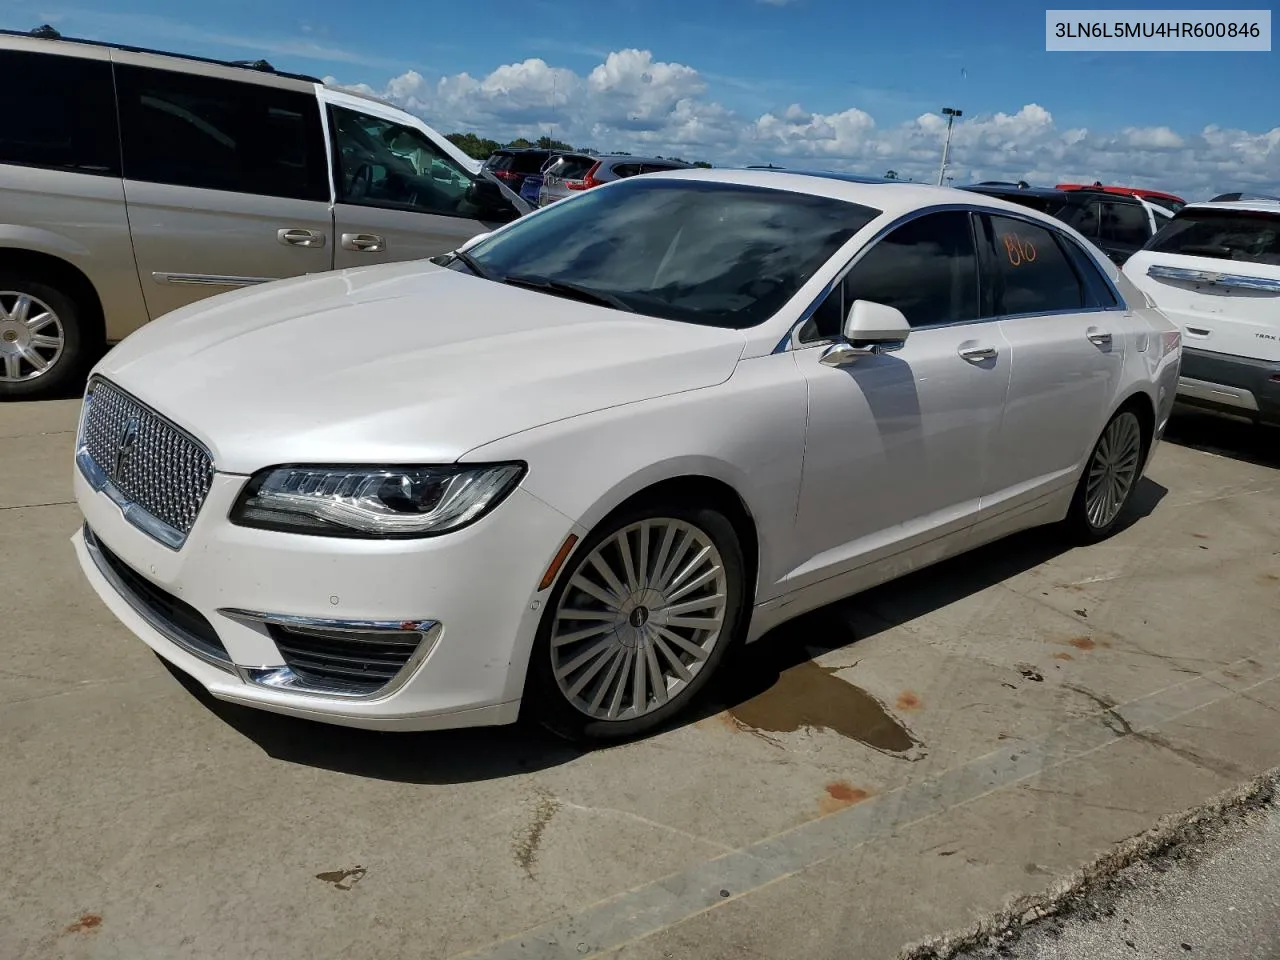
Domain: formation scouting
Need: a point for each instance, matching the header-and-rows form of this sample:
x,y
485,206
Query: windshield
x,y
697,251
1252,236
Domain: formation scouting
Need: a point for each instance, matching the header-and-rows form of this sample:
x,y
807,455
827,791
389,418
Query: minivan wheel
x,y
639,622
1110,479
41,341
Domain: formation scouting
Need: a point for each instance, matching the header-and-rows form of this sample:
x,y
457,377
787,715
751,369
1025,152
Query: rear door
x,y
226,181
1215,271
400,196
1066,333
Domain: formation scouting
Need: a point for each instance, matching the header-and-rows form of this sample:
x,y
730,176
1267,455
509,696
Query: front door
x,y
226,183
897,444
400,197
1067,335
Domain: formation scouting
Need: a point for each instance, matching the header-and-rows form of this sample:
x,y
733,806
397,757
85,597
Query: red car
x,y
1169,201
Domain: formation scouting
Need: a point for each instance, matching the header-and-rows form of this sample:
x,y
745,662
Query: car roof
x,y
1012,190
1236,206
612,157
891,197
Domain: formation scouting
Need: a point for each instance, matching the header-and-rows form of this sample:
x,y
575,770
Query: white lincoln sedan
x,y
566,469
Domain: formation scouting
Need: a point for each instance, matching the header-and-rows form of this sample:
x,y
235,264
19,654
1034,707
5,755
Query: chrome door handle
x,y
364,242
1099,338
299,237
978,354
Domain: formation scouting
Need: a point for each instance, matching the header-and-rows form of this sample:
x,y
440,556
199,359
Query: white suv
x,y
133,183
1215,271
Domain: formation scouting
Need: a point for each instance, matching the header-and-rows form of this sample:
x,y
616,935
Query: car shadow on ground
x,y
769,665
1224,436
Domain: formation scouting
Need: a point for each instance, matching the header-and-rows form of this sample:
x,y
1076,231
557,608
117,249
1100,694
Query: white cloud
x,y
631,101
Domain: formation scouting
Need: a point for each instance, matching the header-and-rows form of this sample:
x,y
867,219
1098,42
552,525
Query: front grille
x,y
344,662
178,621
149,461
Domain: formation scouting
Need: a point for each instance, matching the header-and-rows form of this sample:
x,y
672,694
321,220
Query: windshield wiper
x,y
567,289
473,265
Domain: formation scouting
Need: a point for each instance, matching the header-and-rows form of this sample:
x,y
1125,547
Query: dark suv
x,y
513,164
1118,223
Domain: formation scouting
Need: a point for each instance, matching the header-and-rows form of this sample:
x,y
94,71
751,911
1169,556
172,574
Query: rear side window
x,y
58,113
193,131
1246,235
657,167
626,169
1082,216
1032,274
1124,223
499,161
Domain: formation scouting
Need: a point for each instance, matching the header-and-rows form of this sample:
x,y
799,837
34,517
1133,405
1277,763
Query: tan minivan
x,y
134,182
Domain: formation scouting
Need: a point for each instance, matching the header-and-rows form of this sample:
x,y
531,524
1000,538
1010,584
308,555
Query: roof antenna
x,y
46,32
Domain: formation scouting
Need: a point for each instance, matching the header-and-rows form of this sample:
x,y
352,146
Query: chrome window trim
x,y
170,631
99,482
1213,278
283,678
791,342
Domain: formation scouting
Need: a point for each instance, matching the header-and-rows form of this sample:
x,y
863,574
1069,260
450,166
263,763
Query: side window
x,y
1082,216
1032,274
626,170
383,164
58,113
1098,291
1125,224
193,131
657,167
927,268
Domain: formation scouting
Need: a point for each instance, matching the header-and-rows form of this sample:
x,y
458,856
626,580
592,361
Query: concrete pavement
x,y
893,767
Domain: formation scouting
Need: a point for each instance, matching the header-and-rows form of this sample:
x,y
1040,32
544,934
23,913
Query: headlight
x,y
373,502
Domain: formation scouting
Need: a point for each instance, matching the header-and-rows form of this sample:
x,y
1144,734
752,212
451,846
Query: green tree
x,y
546,143
519,143
473,145
702,163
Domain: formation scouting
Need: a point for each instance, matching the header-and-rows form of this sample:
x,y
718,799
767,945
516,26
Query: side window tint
x,y
1125,224
383,164
626,170
927,268
1032,273
58,113
193,131
1098,291
1082,216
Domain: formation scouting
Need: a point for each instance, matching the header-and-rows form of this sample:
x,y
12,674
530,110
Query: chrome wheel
x,y
31,337
1113,470
638,619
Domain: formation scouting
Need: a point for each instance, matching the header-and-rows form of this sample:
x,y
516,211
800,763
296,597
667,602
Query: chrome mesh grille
x,y
166,473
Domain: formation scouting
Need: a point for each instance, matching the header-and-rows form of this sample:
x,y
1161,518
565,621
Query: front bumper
x,y
471,595
1236,385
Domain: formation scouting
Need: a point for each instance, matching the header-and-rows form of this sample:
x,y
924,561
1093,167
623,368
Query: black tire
x,y
1079,525
69,362
545,702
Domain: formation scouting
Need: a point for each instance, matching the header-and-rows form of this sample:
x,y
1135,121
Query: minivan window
x,y
193,131
1247,235
723,255
1032,273
58,113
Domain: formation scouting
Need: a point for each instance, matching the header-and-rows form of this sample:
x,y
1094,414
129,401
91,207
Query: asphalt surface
x,y
890,769
1215,893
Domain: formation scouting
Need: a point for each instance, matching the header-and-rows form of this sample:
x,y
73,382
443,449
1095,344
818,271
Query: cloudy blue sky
x,y
800,82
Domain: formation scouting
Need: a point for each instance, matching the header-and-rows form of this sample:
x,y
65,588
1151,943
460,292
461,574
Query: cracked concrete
x,y
1063,701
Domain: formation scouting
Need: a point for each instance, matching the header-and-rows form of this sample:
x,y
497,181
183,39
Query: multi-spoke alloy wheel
x,y
642,613
31,337
639,621
1109,479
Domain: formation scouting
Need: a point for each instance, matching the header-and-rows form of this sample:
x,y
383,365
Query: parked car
x,y
563,175
1169,201
1243,195
133,183
512,165
606,170
1215,271
572,466
1118,223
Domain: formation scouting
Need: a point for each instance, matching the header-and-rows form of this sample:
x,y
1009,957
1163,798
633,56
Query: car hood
x,y
400,363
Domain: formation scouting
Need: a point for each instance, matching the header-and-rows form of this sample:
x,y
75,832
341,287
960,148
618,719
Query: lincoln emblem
x,y
124,448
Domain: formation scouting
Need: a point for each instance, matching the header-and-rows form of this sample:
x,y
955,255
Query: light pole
x,y
951,113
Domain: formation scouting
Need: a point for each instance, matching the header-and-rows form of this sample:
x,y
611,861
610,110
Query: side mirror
x,y
870,328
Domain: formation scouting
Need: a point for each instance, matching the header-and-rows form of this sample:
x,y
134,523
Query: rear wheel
x,y
1110,479
41,338
642,617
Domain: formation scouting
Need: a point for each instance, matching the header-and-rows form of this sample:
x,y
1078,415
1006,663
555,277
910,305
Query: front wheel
x,y
641,619
1109,481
